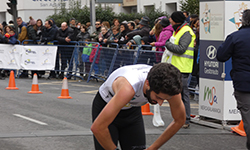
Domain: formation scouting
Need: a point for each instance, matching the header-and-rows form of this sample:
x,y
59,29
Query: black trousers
x,y
127,128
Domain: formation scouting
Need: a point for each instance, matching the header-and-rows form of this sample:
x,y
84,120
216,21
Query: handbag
x,y
167,55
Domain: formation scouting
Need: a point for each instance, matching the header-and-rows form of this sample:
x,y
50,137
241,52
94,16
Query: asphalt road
x,y
44,122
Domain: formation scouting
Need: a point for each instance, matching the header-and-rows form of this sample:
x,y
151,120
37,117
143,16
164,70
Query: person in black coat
x,y
83,35
126,56
49,35
236,46
64,35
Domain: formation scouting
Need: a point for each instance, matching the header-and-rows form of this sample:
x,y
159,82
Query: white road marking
x,y
90,92
30,119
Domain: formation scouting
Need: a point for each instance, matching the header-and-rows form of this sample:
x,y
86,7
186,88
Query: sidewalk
x,y
197,137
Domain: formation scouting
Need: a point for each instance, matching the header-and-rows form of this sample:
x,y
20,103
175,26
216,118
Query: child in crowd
x,y
92,56
144,56
85,58
10,38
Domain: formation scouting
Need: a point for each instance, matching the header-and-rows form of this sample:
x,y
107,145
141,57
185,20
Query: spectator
x,y
115,23
1,26
82,36
7,29
74,27
95,34
63,36
23,34
193,17
195,26
84,58
236,46
88,25
32,35
106,24
31,31
162,34
78,25
152,32
183,53
123,32
49,35
131,26
39,29
186,14
10,37
146,57
4,24
142,31
136,21
2,36
104,55
92,56
114,37
104,35
54,24
125,56
11,24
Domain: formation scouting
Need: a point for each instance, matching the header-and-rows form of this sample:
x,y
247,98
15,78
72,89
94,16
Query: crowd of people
x,y
125,34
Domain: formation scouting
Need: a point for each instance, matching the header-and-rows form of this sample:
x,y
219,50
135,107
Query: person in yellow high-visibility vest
x,y
183,53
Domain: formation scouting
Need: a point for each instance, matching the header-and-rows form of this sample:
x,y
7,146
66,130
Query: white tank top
x,y
136,76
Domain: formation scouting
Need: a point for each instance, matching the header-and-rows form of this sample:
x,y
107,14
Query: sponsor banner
x,y
10,56
38,57
233,16
230,107
27,57
211,98
210,67
216,100
212,20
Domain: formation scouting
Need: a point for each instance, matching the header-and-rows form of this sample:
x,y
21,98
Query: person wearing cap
x,y
31,30
236,46
183,53
166,33
142,31
152,32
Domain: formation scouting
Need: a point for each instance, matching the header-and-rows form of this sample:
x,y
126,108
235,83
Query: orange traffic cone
x,y
239,129
35,87
145,110
12,83
65,90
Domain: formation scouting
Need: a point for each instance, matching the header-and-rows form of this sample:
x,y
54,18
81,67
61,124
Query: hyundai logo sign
x,y
211,52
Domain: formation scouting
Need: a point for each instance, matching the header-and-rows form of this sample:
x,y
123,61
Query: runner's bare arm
x,y
178,113
124,92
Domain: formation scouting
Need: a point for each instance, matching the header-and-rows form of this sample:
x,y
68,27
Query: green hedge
x,y
105,14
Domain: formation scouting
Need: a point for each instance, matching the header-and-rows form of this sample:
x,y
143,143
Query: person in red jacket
x,y
92,56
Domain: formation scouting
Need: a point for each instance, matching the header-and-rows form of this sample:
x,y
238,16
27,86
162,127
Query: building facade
x,y
41,9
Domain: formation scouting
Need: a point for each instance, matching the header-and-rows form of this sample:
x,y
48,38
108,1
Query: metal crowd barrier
x,y
106,59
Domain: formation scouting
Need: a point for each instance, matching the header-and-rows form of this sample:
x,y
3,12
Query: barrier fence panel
x,y
103,62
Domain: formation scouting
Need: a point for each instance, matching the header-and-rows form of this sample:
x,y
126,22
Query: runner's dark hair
x,y
165,78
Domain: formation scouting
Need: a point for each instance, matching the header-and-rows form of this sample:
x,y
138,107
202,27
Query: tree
x,y
191,6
